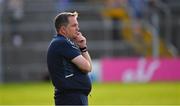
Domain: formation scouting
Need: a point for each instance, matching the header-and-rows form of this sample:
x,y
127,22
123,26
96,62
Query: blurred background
x,y
129,40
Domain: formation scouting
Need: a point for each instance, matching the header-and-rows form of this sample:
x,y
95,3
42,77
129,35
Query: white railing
x,y
168,31
168,28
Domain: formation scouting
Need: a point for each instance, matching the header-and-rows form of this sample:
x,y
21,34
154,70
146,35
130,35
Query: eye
x,y
75,25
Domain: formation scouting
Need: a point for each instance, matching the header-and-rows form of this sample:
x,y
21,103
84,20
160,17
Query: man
x,y
69,62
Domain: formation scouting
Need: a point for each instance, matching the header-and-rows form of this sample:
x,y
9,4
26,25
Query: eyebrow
x,y
75,24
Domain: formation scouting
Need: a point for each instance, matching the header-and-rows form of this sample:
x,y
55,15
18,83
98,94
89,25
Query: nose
x,y
78,28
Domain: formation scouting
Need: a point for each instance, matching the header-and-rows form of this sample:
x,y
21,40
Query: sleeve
x,y
68,50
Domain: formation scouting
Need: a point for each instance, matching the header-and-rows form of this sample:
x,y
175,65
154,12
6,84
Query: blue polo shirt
x,y
66,76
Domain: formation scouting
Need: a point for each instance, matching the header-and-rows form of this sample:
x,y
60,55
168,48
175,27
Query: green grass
x,y
26,93
107,93
138,94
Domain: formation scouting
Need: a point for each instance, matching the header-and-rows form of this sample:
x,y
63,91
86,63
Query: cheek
x,y
69,30
72,30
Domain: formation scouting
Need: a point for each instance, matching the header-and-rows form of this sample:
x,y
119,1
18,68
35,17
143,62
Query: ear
x,y
62,30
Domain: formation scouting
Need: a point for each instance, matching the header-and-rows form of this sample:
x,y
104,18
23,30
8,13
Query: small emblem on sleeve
x,y
70,75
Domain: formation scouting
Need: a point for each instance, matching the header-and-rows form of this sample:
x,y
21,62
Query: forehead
x,y
72,20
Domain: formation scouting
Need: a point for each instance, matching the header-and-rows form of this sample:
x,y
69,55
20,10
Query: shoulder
x,y
65,42
58,41
56,44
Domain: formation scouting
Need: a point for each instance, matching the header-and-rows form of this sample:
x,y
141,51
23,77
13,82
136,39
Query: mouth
x,y
75,37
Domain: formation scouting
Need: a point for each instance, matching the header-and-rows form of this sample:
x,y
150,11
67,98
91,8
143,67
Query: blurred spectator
x,y
138,10
152,14
143,11
65,5
115,11
16,13
62,5
145,19
16,8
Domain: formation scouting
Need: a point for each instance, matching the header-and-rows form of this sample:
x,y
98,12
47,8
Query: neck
x,y
61,34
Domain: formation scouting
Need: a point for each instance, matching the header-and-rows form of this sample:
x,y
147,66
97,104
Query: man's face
x,y
72,28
